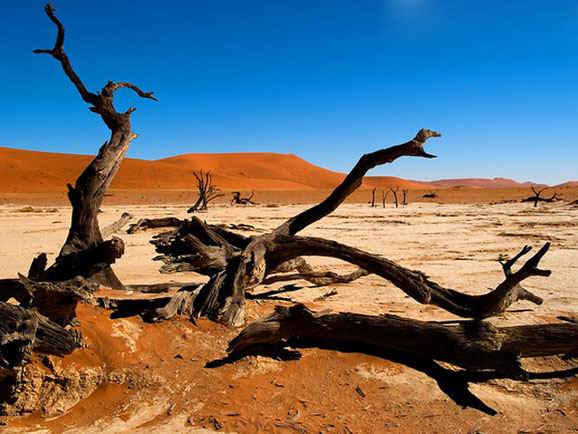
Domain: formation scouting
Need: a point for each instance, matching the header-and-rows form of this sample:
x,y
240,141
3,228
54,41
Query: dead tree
x,y
87,194
430,195
395,191
234,271
239,200
383,197
538,196
470,345
404,200
373,197
207,191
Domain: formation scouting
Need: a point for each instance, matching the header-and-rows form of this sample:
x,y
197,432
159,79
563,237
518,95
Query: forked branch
x,y
101,102
415,283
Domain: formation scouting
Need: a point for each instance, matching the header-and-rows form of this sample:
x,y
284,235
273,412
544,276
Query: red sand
x,y
36,172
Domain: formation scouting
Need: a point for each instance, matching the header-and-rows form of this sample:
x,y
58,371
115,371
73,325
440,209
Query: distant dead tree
x,y
537,197
207,191
384,194
430,195
239,200
395,191
404,200
373,197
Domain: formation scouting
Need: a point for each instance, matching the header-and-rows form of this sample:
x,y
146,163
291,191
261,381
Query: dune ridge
x,y
25,171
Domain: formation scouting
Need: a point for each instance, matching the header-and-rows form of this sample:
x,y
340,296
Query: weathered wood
x,y
162,222
92,262
23,331
373,190
404,200
117,225
353,180
318,278
471,345
88,192
55,300
196,246
430,195
415,283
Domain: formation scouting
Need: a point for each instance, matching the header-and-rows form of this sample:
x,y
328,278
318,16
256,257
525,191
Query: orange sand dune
x,y
259,165
31,171
23,171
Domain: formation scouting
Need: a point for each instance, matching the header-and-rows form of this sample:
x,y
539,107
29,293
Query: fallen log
x,y
163,222
117,225
472,345
240,200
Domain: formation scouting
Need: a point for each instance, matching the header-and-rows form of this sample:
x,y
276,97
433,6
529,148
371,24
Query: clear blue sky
x,y
325,79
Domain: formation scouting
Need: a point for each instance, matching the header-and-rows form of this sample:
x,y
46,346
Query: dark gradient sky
x,y
325,79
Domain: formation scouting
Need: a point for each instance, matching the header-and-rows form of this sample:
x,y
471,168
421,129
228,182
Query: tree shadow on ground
x,y
454,383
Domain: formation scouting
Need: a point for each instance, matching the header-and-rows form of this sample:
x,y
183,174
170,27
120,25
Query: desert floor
x,y
143,377
186,198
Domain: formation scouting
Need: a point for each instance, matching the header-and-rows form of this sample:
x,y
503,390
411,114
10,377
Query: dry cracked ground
x,y
138,377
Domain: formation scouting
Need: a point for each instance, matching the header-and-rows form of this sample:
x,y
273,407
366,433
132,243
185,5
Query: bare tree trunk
x,y
394,191
88,192
404,201
373,197
470,345
384,197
